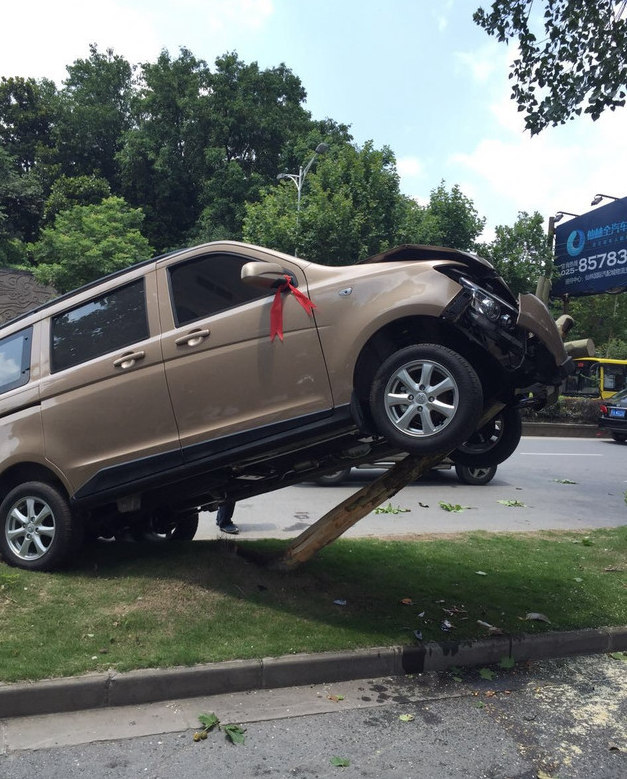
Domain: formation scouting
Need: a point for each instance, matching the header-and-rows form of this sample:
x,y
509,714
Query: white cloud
x,y
562,168
39,38
410,167
483,63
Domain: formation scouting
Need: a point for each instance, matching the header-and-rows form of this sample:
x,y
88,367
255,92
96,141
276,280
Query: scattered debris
x,y
565,481
492,629
390,509
335,698
235,733
339,602
537,617
454,508
446,626
481,573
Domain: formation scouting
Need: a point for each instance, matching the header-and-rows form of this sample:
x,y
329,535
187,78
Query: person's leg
x,y
223,519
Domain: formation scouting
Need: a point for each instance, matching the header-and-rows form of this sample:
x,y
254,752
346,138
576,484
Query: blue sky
x,y
416,75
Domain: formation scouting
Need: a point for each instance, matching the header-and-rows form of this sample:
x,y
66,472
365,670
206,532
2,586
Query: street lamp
x,y
561,214
299,178
598,198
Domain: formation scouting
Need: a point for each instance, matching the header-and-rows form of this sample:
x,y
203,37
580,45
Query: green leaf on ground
x,y
619,656
407,718
390,509
507,661
235,733
455,508
340,762
208,721
565,481
513,503
486,673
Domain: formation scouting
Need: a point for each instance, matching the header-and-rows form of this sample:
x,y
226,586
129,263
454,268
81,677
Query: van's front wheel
x,y
426,399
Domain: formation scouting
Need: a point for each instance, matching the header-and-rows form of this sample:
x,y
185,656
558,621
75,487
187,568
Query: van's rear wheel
x,y
493,443
159,528
426,399
38,529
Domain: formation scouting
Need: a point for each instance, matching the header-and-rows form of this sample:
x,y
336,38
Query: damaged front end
x,y
520,336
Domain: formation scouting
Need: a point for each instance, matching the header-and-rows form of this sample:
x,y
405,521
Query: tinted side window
x,y
208,285
106,323
15,360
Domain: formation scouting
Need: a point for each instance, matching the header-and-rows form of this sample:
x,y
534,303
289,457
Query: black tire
x,y
38,529
330,479
620,437
475,476
426,399
493,443
157,530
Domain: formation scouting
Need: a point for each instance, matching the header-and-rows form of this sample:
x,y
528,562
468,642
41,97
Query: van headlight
x,y
486,305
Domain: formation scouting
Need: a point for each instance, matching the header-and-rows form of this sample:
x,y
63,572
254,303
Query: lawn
x,y
127,606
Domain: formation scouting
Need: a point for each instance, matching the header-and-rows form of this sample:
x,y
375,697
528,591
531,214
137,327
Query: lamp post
x,y
561,214
598,198
299,179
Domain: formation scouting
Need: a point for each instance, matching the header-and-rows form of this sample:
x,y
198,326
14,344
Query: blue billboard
x,y
591,252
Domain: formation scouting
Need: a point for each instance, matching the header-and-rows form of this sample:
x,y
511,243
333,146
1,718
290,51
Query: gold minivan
x,y
227,370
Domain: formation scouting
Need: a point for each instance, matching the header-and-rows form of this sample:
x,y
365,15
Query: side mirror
x,y
268,275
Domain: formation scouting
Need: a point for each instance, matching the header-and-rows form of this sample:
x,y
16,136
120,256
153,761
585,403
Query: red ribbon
x,y
276,312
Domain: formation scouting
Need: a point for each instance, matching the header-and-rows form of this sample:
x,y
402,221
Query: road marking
x,y
562,454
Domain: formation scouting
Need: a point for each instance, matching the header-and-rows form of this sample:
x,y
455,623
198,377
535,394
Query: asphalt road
x,y
534,475
561,718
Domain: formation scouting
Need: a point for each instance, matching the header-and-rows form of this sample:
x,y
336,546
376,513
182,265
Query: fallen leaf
x,y
619,656
537,617
407,602
407,718
514,503
208,721
340,762
234,733
486,673
479,705
335,698
507,661
565,481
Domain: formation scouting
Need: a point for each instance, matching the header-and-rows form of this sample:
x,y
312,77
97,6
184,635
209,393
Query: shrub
x,y
573,410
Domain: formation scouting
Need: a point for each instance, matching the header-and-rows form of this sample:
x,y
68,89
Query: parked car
x,y
226,370
465,473
614,416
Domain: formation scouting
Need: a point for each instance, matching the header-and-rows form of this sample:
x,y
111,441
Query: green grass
x,y
128,606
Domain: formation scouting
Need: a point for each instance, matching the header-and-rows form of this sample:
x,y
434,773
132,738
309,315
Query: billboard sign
x,y
591,252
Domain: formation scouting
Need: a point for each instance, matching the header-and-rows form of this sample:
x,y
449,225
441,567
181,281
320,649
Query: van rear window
x,y
15,360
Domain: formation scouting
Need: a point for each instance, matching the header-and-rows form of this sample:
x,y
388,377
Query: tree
x,y
76,191
21,201
520,253
579,61
350,208
27,113
602,318
94,112
88,242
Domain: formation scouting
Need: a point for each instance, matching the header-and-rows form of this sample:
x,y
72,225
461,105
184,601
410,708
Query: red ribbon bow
x,y
276,312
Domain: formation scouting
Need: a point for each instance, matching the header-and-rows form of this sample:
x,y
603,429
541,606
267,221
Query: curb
x,y
96,691
563,430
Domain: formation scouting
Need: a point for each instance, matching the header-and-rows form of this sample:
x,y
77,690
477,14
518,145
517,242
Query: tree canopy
x,y
571,60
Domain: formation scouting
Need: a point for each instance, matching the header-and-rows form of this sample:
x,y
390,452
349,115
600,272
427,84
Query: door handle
x,y
193,338
128,360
